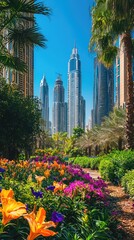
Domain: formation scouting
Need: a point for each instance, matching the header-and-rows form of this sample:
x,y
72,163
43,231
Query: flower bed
x,y
45,197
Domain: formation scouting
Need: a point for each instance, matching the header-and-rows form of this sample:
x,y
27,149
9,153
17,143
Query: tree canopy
x,y
111,19
19,121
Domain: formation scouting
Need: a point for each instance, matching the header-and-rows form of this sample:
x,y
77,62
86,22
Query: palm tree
x,y
112,18
18,27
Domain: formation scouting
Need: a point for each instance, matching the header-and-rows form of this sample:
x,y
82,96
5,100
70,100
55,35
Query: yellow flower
x,y
38,226
10,208
47,173
5,194
39,179
58,186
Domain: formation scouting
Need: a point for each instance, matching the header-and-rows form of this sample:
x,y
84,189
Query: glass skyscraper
x,y
44,98
74,91
59,108
103,94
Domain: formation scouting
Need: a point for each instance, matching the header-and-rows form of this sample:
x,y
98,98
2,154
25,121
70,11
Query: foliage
x,y
81,161
19,121
95,162
77,132
110,135
110,19
77,201
114,165
18,27
128,183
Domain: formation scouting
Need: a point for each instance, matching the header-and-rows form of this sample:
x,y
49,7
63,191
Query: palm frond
x,y
28,36
21,6
11,62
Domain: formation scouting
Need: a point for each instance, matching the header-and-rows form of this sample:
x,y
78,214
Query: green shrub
x,y
106,169
122,161
128,183
95,162
82,161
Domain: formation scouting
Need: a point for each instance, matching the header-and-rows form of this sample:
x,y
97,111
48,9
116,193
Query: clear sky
x,y
70,21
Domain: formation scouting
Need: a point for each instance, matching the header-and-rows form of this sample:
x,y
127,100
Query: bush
x,y
128,183
95,162
82,161
106,169
119,162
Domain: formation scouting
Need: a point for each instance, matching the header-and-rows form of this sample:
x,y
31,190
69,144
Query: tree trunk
x,y
120,141
130,95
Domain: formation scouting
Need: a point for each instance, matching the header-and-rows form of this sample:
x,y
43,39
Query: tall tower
x,y
74,91
82,112
121,75
24,81
44,98
59,108
103,94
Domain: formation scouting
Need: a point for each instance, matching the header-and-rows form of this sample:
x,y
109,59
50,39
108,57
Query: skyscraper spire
x,y
74,43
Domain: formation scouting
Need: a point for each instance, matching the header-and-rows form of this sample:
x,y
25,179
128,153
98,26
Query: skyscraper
x,y
82,112
59,108
44,98
74,91
103,94
24,81
121,75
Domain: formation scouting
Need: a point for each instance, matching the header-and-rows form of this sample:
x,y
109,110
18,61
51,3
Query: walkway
x,y
122,206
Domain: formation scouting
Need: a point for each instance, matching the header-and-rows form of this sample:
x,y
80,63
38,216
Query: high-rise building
x,y
74,91
44,98
59,108
121,75
24,81
103,94
82,112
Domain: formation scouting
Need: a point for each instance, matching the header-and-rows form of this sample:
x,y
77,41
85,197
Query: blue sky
x,y
70,21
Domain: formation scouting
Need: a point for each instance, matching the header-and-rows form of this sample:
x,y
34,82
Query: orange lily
x,y
5,194
58,186
47,173
38,226
11,210
55,165
62,172
39,179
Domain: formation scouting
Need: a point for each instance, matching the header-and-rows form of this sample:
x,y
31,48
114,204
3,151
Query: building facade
x,y
44,99
24,81
59,108
75,100
82,112
121,75
103,93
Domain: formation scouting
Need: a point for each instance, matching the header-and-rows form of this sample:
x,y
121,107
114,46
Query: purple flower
x,y
26,206
51,188
87,177
2,170
114,213
37,194
57,217
0,189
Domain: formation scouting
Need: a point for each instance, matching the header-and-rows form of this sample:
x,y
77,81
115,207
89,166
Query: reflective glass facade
x,y
44,98
74,91
59,108
103,94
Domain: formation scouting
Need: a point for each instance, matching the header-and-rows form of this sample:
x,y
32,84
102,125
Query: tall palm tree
x,y
18,27
112,18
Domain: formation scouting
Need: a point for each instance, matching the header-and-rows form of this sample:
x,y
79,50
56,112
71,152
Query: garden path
x,y
121,205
